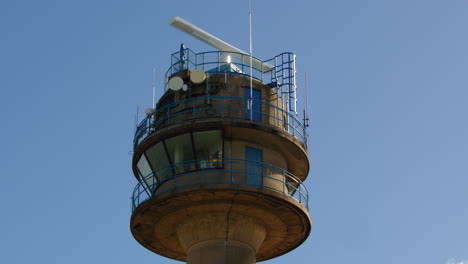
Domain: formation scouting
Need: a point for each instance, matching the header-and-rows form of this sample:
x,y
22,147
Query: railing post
x,y
284,181
193,109
231,169
222,107
168,115
203,175
300,194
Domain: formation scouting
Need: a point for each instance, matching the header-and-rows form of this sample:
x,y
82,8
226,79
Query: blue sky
x,y
388,89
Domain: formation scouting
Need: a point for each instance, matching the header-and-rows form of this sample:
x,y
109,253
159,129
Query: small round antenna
x,y
198,76
176,83
148,111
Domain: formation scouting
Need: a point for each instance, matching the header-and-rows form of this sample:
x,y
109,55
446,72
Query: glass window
x,y
146,172
208,148
182,155
143,166
158,159
180,151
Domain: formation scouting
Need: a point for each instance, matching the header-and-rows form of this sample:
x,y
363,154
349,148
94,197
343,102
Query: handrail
x,y
281,69
227,107
231,171
213,61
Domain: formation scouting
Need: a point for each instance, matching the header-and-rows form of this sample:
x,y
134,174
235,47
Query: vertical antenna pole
x,y
306,108
136,117
251,71
135,123
154,87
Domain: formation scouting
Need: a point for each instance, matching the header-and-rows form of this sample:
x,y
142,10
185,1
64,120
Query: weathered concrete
x,y
225,222
220,238
186,223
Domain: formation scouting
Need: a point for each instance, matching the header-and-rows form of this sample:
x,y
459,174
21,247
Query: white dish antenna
x,y
176,83
148,111
217,43
198,76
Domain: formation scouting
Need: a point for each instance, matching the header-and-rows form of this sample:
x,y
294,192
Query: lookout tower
x,y
221,158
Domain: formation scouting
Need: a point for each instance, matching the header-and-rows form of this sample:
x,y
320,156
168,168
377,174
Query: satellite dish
x,y
184,87
176,83
198,76
149,111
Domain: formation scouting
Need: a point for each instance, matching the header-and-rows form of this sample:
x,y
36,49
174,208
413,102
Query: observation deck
x,y
278,73
221,171
223,107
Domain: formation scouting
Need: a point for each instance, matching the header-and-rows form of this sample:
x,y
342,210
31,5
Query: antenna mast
x,y
154,87
251,71
306,110
136,117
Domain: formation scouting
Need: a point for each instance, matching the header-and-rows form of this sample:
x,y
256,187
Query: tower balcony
x,y
221,108
222,208
219,173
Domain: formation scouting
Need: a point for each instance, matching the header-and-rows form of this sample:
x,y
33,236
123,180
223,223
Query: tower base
x,y
221,238
221,252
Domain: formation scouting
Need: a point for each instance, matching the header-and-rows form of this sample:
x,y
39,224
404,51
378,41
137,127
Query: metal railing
x,y
215,62
279,71
227,107
231,171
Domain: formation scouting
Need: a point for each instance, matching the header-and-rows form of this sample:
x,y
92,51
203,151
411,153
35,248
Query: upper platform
x,y
276,107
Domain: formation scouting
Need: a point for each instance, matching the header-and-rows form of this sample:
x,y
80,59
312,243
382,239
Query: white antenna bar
x,y
216,43
154,87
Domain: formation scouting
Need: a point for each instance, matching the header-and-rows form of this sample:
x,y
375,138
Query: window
x,y
181,154
158,159
145,171
208,148
143,166
180,151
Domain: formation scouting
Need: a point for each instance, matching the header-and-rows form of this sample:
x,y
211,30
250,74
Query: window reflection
x,y
180,150
208,148
145,172
182,154
159,161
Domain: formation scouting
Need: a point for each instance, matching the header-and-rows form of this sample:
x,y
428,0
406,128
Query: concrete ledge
x,y
286,222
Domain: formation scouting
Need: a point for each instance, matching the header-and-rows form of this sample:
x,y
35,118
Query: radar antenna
x,y
217,43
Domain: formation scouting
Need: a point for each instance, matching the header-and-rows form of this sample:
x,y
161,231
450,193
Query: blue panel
x,y
254,172
256,113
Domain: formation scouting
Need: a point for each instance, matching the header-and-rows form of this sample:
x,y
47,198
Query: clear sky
x,y
388,89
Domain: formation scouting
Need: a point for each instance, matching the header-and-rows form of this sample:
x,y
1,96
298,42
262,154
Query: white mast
x,y
306,110
154,87
251,71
